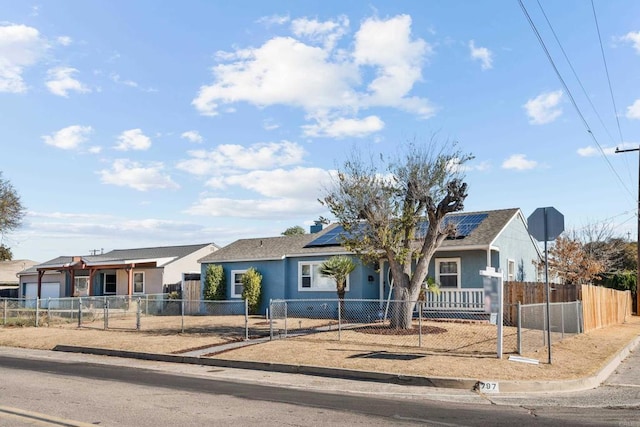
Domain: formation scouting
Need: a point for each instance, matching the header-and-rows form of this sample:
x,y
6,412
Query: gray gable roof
x,y
145,253
488,229
121,255
272,248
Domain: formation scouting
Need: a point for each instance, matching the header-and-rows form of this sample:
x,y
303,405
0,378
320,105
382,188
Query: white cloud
x,y
64,40
20,47
482,54
127,173
96,149
192,136
313,82
68,138
133,139
60,81
301,183
117,79
254,208
341,128
633,111
269,124
230,157
544,108
326,32
519,162
324,81
633,38
274,20
591,151
397,59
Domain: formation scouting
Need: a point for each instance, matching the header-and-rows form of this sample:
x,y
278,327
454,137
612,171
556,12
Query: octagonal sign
x,y
553,219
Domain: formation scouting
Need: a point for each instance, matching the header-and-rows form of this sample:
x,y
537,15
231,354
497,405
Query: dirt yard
x,y
574,357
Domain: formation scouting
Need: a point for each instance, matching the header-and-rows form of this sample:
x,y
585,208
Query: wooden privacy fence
x,y
600,306
534,293
603,307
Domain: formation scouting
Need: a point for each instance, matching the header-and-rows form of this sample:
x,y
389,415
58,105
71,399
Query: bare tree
x,y
11,209
394,210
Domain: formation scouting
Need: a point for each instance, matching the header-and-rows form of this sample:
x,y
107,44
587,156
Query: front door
x,y
81,288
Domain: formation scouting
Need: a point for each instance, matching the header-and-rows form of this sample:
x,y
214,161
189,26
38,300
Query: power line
x,y
570,95
575,74
606,69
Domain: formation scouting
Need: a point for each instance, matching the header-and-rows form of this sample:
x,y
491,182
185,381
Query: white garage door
x,y
48,290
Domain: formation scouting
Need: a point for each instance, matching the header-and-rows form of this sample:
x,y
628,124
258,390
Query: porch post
x,y
92,274
381,281
130,281
72,273
40,274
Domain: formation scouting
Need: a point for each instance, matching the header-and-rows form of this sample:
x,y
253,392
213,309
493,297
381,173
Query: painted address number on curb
x,y
488,387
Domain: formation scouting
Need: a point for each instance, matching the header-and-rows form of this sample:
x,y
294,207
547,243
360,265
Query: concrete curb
x,y
413,380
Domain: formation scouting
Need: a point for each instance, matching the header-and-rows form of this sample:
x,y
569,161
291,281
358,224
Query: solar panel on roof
x,y
330,238
465,225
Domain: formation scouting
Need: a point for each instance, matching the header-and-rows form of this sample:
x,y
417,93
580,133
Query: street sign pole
x,y
546,284
546,224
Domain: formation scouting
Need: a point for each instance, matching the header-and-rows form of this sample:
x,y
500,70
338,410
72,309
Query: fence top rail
x,y
336,300
551,303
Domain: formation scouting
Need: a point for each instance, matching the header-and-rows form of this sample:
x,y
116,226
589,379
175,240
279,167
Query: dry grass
x,y
574,357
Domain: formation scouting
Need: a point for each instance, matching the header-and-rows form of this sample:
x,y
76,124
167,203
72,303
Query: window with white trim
x,y
138,282
511,270
310,279
236,283
108,284
448,272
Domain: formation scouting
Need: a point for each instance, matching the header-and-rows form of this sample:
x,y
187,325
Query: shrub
x,y
215,284
252,289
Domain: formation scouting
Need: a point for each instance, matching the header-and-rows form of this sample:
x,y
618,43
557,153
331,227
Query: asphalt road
x,y
110,395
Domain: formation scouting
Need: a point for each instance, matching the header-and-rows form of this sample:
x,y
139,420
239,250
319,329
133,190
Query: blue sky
x,y
142,123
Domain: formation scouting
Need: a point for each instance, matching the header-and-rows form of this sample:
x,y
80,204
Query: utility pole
x,y
638,238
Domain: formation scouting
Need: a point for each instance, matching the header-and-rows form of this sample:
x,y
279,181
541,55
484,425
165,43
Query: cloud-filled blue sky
x,y
142,123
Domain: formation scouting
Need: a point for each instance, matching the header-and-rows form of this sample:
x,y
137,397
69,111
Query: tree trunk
x,y
341,303
403,305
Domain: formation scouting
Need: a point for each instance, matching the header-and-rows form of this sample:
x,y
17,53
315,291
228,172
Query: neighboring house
x,y
289,264
9,276
119,272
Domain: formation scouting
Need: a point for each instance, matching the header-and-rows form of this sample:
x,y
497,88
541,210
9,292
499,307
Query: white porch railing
x,y
456,300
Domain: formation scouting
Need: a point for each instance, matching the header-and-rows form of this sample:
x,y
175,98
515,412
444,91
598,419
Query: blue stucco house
x,y
289,264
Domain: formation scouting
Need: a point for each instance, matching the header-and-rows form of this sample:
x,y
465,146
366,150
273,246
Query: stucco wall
x,y
188,264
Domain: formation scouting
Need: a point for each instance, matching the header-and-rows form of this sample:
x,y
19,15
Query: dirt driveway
x,y
575,357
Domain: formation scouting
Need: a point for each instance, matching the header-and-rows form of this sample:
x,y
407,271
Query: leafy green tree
x,y
252,289
338,268
296,230
11,210
383,207
215,284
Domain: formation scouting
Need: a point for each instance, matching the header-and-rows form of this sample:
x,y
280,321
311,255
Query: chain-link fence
x,y
19,312
459,329
229,320
565,319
